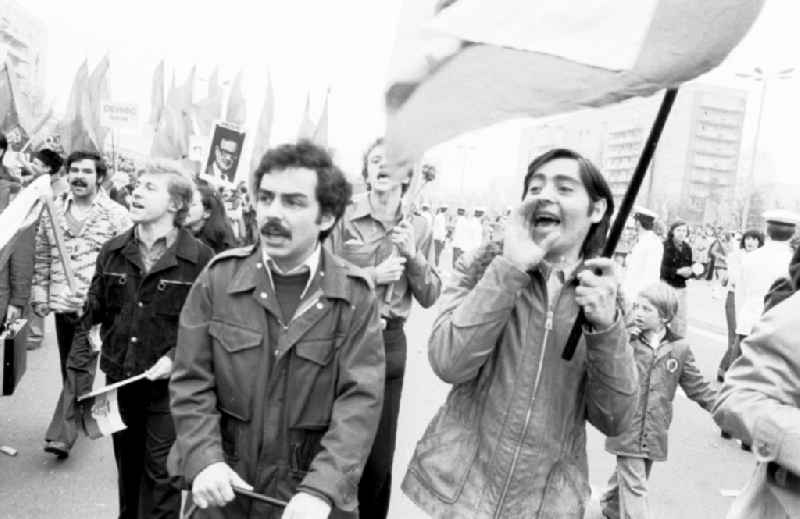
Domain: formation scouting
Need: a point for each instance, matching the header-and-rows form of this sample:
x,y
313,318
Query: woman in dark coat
x,y
208,221
676,268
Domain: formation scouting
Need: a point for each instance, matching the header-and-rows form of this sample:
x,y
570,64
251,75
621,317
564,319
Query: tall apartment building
x,y
23,43
694,171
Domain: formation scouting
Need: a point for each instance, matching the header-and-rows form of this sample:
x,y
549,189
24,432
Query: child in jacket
x,y
664,361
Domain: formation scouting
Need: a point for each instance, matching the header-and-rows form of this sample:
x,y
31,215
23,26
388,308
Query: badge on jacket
x,y
672,365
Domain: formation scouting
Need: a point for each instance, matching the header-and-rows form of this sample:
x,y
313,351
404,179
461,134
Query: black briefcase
x,y
13,355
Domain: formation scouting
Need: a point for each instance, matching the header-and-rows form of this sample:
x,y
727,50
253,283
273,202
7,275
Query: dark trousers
x,y
438,247
376,482
146,490
60,429
733,350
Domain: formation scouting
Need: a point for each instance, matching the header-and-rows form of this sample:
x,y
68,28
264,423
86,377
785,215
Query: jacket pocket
x,y
116,285
312,383
170,296
443,460
236,355
565,492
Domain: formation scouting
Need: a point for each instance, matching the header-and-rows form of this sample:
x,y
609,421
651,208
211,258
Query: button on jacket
x,y
510,441
365,242
138,312
661,371
289,408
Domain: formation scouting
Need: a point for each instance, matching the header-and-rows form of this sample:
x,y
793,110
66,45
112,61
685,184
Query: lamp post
x,y
764,78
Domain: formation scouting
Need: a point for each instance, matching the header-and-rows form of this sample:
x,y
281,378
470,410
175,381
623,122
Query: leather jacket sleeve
x,y
472,318
193,399
336,470
612,388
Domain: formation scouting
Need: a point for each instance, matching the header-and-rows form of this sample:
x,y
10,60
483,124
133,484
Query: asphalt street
x,y
697,481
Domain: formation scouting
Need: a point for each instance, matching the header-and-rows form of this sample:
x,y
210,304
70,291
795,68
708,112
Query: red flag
x,y
264,129
321,132
157,94
237,106
209,109
14,119
306,130
75,128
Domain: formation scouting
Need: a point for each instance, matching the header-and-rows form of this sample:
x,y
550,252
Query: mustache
x,y
78,182
273,227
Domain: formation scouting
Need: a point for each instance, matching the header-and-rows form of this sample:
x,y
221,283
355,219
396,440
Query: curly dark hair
x,y
752,233
50,158
596,187
333,190
99,163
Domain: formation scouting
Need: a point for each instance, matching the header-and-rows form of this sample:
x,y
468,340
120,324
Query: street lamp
x,y
758,75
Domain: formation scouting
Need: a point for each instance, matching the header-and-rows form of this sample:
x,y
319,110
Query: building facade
x,y
695,168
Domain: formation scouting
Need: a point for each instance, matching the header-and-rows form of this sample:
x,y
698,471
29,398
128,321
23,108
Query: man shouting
x,y
510,441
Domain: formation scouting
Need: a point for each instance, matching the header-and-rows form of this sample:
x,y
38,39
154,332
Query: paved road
x,y
33,484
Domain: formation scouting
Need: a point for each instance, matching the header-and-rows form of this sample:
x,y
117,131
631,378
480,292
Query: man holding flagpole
x,y
397,253
87,218
140,283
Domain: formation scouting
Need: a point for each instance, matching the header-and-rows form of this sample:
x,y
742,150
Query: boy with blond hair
x,y
664,361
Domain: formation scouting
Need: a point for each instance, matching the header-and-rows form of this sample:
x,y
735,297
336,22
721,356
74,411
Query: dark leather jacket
x,y
138,313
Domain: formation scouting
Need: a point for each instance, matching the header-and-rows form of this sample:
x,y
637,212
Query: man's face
x,y
563,205
288,215
225,152
150,200
379,176
82,178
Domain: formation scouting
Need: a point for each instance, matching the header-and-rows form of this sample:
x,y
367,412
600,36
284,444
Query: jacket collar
x,y
185,247
331,276
361,207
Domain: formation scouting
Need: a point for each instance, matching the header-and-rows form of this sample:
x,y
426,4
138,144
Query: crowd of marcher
x,y
264,328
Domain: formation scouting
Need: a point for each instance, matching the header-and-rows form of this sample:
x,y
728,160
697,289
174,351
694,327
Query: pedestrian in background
x,y
676,268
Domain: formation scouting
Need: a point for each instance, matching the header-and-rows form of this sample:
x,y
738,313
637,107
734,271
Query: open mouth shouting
x,y
545,220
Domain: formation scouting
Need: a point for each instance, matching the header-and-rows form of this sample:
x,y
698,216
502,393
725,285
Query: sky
x,y
310,45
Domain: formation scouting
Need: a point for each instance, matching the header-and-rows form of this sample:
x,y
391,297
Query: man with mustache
x,y
510,441
87,219
278,377
143,277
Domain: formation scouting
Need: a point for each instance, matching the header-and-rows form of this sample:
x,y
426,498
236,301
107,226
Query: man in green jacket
x,y
279,369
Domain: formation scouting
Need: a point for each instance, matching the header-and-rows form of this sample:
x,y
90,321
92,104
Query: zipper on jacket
x,y
548,325
647,396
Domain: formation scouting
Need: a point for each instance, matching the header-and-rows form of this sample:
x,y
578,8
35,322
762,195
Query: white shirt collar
x,y
310,264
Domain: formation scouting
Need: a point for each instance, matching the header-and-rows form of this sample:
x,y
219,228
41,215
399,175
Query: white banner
x,y
119,116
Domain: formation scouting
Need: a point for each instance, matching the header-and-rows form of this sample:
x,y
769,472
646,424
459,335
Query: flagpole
x,y
626,206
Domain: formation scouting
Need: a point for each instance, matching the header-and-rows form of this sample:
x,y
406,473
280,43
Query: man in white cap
x,y
759,270
644,261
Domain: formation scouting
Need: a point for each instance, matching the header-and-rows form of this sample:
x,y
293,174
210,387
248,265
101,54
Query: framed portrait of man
x,y
224,152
